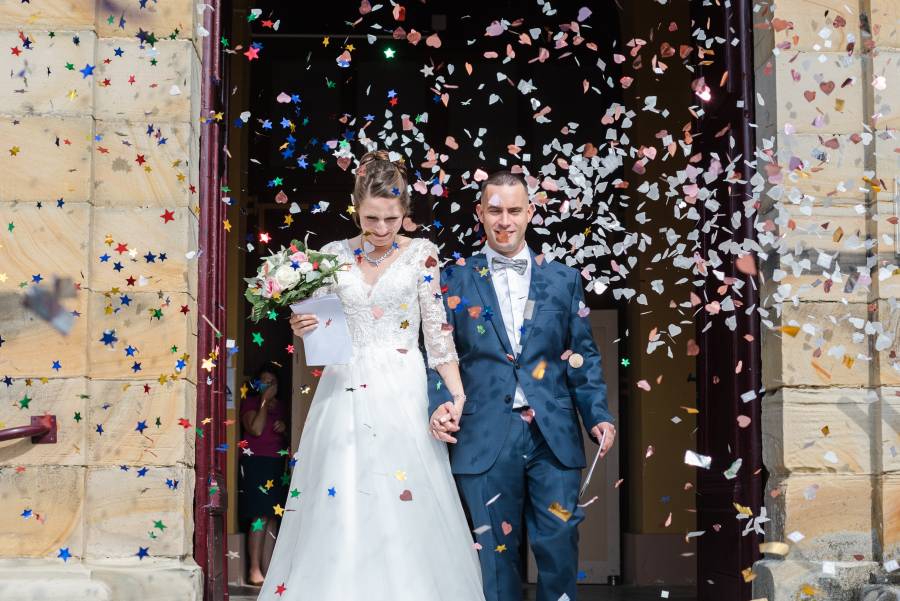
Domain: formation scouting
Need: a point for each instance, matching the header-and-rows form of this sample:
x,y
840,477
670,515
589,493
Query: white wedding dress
x,y
373,513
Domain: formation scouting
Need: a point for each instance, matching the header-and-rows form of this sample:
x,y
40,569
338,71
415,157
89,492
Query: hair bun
x,y
382,155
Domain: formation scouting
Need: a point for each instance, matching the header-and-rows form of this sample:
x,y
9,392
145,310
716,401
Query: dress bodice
x,y
405,297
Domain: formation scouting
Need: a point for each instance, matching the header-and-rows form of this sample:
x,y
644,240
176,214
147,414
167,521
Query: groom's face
x,y
505,213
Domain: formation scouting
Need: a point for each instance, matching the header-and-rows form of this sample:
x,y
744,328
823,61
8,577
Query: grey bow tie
x,y
519,265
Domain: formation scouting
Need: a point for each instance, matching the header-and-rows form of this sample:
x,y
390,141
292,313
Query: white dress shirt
x,y
512,294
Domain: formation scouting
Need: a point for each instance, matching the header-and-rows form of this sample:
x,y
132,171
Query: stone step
x,y
880,592
40,580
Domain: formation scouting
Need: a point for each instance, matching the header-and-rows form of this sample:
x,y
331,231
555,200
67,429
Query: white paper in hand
x,y
329,343
590,473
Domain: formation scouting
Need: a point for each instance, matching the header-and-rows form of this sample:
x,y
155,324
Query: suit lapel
x,y
478,263
537,292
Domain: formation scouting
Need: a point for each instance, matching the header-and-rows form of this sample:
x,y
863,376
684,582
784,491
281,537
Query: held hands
x,y
445,420
597,433
303,324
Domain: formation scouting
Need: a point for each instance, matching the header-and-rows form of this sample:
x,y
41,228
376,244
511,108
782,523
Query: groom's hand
x,y
445,420
597,433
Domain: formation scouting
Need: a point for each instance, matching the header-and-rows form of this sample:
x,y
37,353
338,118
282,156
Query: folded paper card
x,y
329,343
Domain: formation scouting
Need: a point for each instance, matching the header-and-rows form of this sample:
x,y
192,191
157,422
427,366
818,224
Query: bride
x,y
373,512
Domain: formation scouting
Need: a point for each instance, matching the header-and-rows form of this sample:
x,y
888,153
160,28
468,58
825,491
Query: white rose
x,y
287,276
306,267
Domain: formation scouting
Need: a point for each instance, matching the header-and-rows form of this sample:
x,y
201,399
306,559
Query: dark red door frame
x,y
724,554
210,496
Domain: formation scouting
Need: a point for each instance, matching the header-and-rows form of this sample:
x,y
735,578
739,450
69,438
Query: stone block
x,y
791,580
815,344
809,25
142,164
885,26
833,512
158,579
40,81
160,238
887,228
793,436
879,592
887,164
150,83
164,19
125,512
62,397
50,15
890,429
48,241
806,99
830,170
31,345
822,249
890,507
45,158
49,580
39,244
52,498
886,65
141,422
889,358
132,315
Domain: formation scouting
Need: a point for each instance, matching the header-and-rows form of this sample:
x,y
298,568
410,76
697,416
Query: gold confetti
x,y
559,511
825,430
743,510
775,548
748,574
538,372
790,330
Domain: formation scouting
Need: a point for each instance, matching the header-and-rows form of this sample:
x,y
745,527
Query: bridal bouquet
x,y
288,276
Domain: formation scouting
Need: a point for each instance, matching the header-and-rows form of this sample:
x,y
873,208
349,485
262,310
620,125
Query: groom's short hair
x,y
503,178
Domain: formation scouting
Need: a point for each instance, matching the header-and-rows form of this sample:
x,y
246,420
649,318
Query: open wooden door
x,y
729,378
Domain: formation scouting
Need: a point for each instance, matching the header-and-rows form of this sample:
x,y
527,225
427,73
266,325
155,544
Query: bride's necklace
x,y
379,260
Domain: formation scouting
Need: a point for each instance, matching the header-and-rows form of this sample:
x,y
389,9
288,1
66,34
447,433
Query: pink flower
x,y
299,257
271,287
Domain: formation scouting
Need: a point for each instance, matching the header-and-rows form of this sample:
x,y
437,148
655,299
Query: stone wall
x,y
827,143
99,122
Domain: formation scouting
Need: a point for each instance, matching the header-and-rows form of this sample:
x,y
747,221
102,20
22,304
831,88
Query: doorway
x,y
293,106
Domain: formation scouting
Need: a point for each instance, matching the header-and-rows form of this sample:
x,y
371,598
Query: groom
x,y
529,367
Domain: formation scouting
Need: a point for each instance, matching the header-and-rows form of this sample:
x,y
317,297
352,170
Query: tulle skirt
x,y
372,510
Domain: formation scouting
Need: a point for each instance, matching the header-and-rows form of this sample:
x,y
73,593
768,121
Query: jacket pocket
x,y
564,402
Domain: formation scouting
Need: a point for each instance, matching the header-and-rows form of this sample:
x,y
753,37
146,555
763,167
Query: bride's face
x,y
380,219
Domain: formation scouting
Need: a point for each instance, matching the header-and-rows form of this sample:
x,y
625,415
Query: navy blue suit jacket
x,y
556,391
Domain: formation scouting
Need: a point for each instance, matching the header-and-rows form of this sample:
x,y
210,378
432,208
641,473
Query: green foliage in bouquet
x,y
290,275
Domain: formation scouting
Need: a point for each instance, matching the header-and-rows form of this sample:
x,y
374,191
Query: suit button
x,y
516,365
508,398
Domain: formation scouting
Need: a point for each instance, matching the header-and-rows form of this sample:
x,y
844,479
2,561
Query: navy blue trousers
x,y
529,480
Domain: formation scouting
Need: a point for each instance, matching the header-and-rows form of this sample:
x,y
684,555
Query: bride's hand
x,y
303,324
443,423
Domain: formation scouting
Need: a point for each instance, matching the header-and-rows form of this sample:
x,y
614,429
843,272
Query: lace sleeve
x,y
438,334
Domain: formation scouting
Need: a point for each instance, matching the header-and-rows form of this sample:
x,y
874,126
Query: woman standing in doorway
x,y
263,478
373,513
